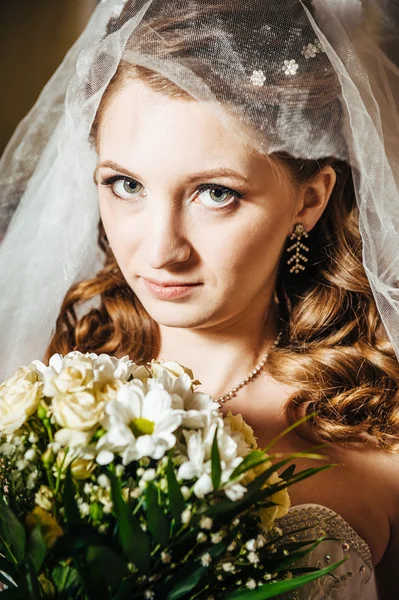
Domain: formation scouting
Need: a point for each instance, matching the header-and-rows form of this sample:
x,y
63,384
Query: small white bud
x,y
260,540
206,559
166,557
186,516
206,523
149,475
251,584
232,546
84,509
251,545
185,491
30,454
119,470
253,557
202,537
103,481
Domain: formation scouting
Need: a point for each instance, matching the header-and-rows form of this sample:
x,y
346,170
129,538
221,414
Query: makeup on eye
x,y
221,197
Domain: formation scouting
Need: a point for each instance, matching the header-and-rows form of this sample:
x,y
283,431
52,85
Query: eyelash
x,y
109,181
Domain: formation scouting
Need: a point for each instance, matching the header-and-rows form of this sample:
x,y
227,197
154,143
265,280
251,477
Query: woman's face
x,y
196,219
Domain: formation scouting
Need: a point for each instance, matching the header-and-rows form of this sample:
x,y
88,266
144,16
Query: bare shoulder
x,y
363,487
385,469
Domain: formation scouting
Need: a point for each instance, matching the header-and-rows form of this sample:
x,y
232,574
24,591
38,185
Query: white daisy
x,y
138,424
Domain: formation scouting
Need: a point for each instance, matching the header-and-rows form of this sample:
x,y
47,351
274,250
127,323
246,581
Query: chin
x,y
177,314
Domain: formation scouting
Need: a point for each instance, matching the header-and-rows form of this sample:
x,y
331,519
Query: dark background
x,y
35,35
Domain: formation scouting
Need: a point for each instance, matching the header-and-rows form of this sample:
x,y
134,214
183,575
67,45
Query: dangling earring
x,y
298,233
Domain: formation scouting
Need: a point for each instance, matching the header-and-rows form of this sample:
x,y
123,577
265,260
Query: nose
x,y
166,242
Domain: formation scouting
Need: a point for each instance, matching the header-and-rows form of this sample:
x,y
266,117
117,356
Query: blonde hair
x,y
333,349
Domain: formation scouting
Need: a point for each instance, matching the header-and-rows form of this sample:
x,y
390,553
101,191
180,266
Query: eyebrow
x,y
212,174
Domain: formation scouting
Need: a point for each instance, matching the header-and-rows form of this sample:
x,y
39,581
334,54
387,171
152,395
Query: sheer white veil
x,y
266,75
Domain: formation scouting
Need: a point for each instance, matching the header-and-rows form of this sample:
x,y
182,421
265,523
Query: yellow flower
x,y
282,501
50,528
237,424
19,398
44,498
81,468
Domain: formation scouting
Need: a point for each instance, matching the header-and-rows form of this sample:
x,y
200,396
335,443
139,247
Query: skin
x,y
167,229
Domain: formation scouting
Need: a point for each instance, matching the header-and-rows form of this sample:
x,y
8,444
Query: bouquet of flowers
x,y
120,481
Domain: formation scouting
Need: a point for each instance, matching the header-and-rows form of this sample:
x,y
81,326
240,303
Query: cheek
x,y
120,233
251,251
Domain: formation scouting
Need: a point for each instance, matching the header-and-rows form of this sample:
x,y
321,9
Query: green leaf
x,y
8,568
77,539
133,539
72,514
157,521
94,583
190,575
12,535
36,548
66,580
176,500
216,466
106,561
273,589
255,458
288,473
32,582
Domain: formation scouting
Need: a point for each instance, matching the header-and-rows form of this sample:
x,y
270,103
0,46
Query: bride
x,y
238,151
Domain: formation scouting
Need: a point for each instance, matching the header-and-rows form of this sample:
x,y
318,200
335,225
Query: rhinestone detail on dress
x,y
324,520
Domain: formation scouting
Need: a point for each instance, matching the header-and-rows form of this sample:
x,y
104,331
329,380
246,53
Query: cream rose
x,y
81,411
237,424
70,375
172,368
19,398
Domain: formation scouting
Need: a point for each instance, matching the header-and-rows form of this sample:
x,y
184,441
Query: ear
x,y
314,197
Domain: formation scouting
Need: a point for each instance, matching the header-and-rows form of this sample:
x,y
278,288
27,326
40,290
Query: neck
x,y
222,356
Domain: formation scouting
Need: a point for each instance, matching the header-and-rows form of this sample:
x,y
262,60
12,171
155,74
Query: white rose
x,y
19,398
73,438
81,411
72,374
172,368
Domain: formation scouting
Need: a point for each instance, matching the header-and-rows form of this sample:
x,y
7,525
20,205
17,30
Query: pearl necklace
x,y
233,392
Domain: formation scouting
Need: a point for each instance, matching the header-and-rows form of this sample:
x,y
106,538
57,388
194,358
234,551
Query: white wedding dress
x,y
355,578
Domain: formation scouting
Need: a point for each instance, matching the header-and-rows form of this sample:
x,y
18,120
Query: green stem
x,y
9,551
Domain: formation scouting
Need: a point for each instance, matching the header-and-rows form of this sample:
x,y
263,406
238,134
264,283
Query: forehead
x,y
143,124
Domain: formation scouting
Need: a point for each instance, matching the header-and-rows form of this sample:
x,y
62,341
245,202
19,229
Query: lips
x,y
169,290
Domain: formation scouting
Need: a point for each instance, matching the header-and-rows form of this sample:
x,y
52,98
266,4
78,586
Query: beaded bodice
x,y
354,579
